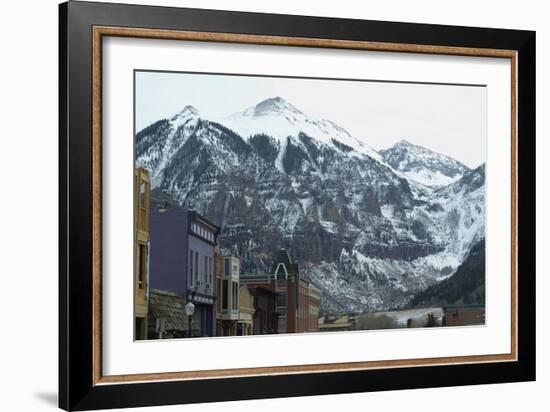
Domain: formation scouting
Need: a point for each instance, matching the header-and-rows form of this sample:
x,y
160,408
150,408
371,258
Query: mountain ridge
x,y
423,165
367,235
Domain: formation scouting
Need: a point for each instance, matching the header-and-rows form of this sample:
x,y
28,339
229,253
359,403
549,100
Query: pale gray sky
x,y
447,119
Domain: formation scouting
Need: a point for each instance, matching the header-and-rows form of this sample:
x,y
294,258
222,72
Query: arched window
x,y
281,272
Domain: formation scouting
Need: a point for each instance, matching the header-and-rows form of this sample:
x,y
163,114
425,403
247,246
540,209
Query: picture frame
x,y
83,26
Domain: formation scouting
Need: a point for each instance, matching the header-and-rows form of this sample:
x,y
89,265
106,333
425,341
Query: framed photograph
x,y
257,206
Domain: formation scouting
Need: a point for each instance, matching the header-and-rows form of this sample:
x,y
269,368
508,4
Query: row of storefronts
x,y
186,287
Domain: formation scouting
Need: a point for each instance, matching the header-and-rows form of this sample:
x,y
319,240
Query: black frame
x,y
76,389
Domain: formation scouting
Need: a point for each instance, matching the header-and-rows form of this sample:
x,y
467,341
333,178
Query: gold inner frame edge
x,y
102,31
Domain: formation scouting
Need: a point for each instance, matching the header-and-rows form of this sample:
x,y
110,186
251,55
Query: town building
x,y
314,304
265,310
142,205
336,323
167,318
182,261
464,315
245,323
295,305
218,273
227,295
395,319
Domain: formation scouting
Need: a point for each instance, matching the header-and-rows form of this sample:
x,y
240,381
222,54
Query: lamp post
x,y
189,310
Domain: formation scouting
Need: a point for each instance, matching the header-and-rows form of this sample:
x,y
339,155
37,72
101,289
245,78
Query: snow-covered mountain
x,y
281,119
423,165
272,176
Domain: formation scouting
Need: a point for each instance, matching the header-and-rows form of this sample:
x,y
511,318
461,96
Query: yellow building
x,y
142,206
336,323
245,324
227,294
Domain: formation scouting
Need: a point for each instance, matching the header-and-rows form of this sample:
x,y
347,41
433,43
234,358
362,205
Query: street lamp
x,y
189,310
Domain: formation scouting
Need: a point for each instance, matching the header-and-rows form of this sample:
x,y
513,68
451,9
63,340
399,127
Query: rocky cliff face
x,y
272,176
465,286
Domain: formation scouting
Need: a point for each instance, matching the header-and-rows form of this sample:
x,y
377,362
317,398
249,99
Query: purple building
x,y
182,261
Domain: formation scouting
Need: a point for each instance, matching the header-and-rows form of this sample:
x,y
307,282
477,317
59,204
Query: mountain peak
x,y
423,165
186,112
280,119
404,142
274,100
273,105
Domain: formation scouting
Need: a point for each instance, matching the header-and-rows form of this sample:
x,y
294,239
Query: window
x,y
206,274
235,296
142,194
225,294
190,277
219,290
142,273
197,282
281,299
281,273
226,267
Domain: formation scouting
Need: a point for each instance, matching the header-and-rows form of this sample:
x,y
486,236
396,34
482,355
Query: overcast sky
x,y
444,118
